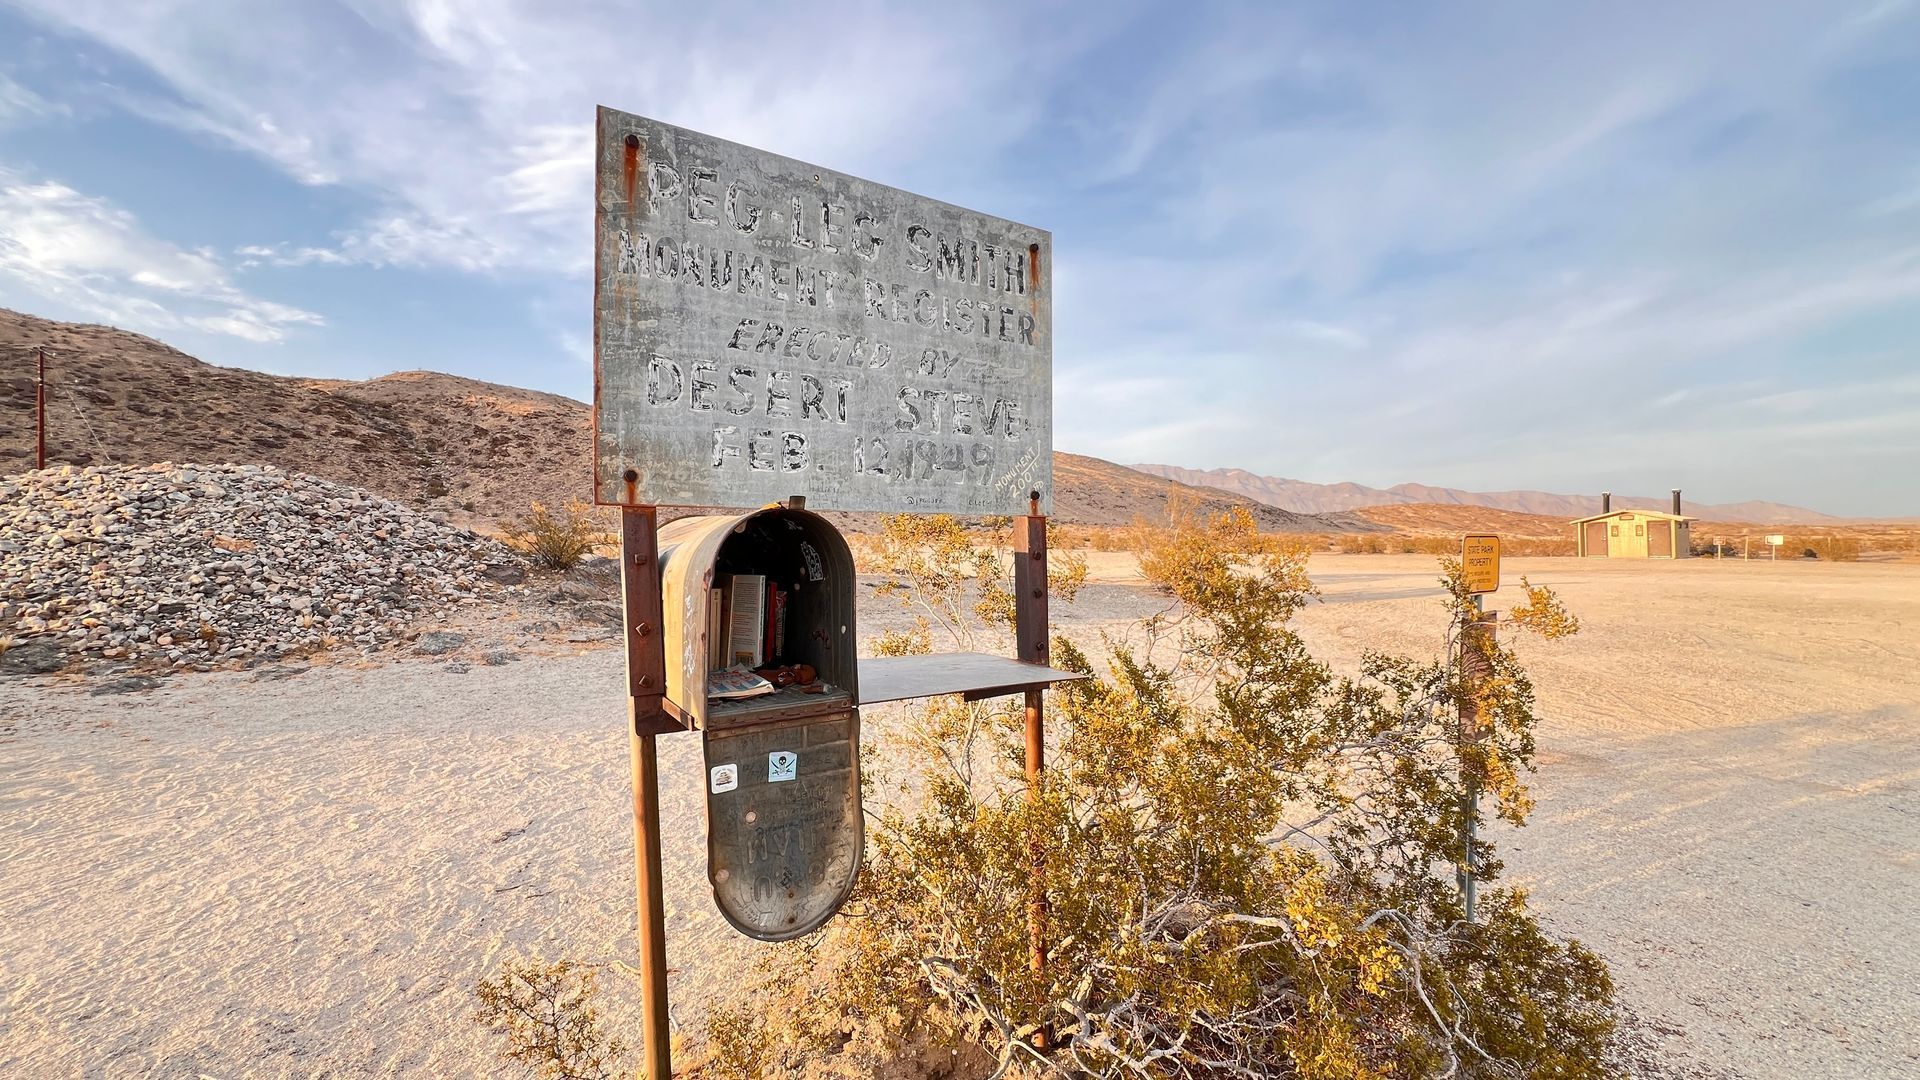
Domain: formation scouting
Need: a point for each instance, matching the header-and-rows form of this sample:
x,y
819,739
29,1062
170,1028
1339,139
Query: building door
x,y
1596,539
1659,540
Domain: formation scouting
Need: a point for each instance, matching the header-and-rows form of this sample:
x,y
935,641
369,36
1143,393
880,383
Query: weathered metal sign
x,y
1480,562
766,328
784,829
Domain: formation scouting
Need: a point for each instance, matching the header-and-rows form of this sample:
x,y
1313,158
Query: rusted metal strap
x,y
642,618
1030,588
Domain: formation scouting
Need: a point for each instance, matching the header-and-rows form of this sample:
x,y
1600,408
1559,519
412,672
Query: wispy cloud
x,y
19,105
256,255
92,258
471,122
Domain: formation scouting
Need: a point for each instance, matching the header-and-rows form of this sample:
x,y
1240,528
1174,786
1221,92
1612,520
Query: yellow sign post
x,y
1480,562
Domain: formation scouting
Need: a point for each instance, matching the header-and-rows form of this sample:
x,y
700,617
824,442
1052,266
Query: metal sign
x,y
1776,539
784,829
766,328
1480,562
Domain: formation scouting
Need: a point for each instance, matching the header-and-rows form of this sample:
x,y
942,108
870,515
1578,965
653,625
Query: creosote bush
x,y
546,1015
1833,548
1248,860
557,542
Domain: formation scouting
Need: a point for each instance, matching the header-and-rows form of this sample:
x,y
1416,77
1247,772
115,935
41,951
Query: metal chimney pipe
x,y
1606,502
1676,502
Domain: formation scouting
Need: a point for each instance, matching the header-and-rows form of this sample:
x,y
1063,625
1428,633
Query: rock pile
x,y
199,565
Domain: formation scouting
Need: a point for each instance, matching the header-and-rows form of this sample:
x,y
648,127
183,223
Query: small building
x,y
1633,534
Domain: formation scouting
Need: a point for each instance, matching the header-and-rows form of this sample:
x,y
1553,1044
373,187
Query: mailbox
x,y
784,827
798,553
784,824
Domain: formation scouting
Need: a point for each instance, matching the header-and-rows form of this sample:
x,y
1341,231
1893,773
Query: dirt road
x,y
235,876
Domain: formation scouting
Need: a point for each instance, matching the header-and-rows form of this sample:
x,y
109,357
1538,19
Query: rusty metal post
x,y
1030,641
40,404
647,718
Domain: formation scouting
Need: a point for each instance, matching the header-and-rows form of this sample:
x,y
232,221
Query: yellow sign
x,y
1480,561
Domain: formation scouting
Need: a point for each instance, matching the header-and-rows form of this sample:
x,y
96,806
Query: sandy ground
x,y
304,876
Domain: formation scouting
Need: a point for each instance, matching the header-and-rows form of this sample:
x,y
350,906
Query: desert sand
x,y
305,875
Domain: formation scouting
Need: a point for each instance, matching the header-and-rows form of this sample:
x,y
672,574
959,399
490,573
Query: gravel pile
x,y
205,565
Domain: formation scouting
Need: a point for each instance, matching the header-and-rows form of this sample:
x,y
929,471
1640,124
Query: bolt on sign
x,y
1480,562
767,328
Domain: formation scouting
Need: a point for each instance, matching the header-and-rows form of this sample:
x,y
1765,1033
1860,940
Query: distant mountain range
x,y
1304,497
478,452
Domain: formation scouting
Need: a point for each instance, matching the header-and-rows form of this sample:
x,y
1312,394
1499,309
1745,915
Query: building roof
x,y
1635,511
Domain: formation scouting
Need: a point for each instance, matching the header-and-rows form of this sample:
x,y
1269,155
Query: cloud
x,y
94,259
19,105
470,121
256,255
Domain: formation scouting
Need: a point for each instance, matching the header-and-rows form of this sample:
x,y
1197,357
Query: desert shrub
x,y
1092,537
1365,543
557,542
934,569
1832,548
547,1017
1244,857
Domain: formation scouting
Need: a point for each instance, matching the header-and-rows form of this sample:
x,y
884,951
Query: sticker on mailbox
x,y
782,765
724,777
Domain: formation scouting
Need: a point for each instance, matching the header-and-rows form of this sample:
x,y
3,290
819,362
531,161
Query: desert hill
x,y
1306,497
1452,520
417,437
477,451
1544,534
1090,491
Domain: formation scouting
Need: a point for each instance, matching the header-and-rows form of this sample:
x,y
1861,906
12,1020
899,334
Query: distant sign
x,y
1480,562
765,328
1776,539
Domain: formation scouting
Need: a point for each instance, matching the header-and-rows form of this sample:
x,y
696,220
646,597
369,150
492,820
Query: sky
x,y
1568,247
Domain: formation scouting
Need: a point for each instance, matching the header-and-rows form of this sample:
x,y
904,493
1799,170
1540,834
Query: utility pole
x,y
40,405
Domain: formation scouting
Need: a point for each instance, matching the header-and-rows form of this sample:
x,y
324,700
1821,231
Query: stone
x,y
504,573
125,685
598,569
244,564
38,656
438,643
